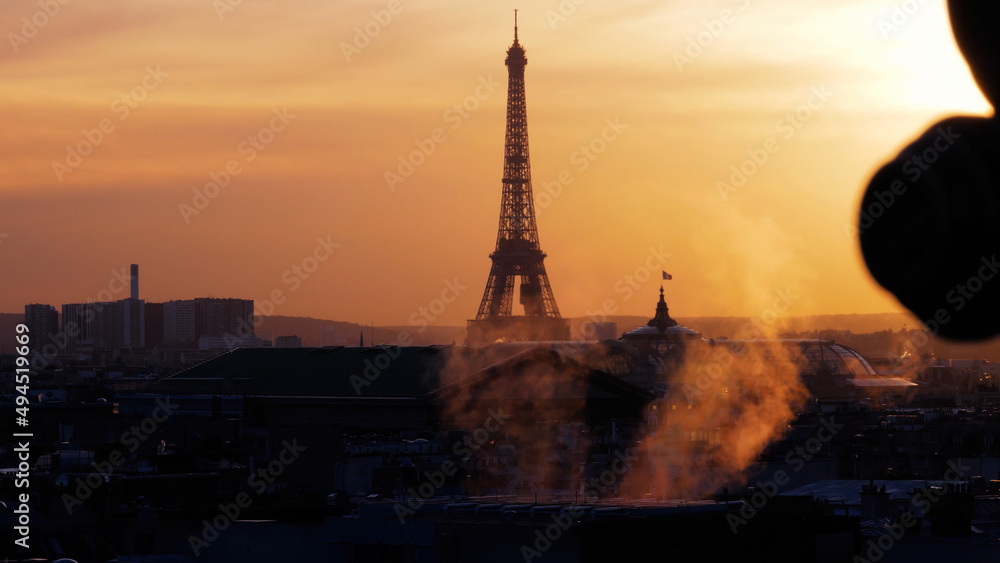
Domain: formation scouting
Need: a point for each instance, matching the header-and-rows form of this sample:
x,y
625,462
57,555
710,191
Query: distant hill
x,y
309,329
349,334
712,327
731,327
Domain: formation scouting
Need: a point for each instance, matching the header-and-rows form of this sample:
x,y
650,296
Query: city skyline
x,y
337,353
363,145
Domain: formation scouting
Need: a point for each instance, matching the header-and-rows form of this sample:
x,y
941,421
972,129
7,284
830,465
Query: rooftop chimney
x,y
135,281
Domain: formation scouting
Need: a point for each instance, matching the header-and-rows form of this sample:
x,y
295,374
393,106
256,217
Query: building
x,y
600,331
219,317
288,342
179,324
230,342
130,323
154,324
108,324
188,323
89,326
130,316
42,321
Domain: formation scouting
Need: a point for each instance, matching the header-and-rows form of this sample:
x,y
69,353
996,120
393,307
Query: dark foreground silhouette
x,y
930,218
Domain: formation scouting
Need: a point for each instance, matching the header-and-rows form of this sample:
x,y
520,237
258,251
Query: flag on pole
x,y
667,276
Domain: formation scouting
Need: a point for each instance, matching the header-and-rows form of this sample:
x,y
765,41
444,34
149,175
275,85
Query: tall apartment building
x,y
130,327
41,320
107,324
220,317
186,322
89,325
133,323
179,324
154,324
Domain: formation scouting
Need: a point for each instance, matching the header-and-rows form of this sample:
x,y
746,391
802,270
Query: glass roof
x,y
825,357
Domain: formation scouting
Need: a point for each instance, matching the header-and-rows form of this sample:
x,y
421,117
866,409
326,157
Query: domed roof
x,y
661,327
647,330
825,357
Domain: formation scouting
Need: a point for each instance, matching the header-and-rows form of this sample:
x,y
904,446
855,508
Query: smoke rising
x,y
728,401
543,444
724,400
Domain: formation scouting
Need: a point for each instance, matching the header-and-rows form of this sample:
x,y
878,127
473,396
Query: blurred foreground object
x,y
930,219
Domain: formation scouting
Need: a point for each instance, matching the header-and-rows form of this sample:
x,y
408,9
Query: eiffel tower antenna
x,y
518,255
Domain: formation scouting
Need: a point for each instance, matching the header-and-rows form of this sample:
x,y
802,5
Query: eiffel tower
x,y
517,254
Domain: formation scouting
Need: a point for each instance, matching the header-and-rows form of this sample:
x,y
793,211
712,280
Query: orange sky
x,y
199,80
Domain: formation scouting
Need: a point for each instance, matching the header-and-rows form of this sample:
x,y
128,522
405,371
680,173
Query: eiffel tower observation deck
x,y
518,256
